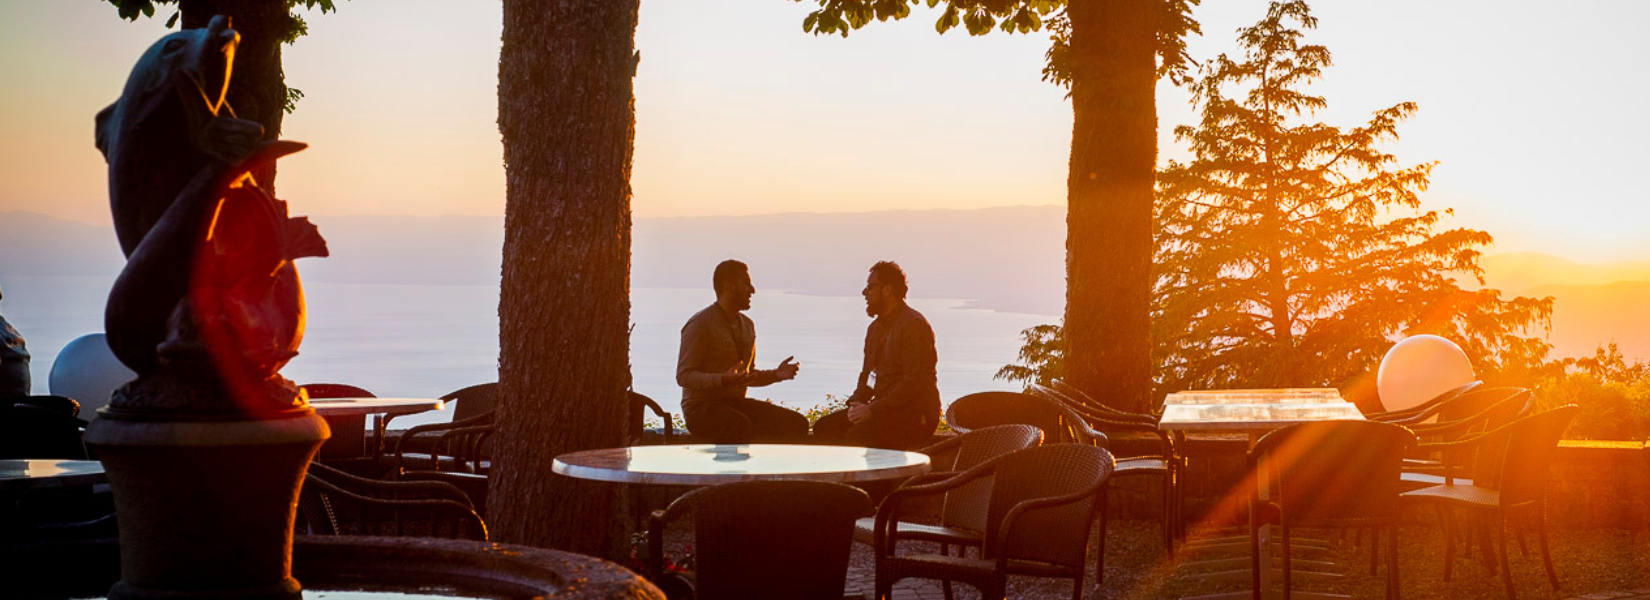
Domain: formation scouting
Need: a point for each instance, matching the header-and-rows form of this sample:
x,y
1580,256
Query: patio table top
x,y
706,464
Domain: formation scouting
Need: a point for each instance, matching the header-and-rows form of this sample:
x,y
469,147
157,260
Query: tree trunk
x,y
257,86
1109,200
567,115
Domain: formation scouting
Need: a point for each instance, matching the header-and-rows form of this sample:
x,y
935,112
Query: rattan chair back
x,y
473,401
1018,530
1473,402
333,502
968,506
1409,414
983,409
1077,395
1514,458
1457,458
640,406
1338,473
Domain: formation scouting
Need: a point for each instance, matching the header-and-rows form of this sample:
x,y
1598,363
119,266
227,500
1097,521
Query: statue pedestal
x,y
206,508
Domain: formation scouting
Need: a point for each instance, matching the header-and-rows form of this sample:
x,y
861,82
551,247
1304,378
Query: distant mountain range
x,y
1007,259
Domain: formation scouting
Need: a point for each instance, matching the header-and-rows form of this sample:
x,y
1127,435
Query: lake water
x,y
427,340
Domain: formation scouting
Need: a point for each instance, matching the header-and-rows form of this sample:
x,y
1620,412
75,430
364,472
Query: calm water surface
x,y
427,340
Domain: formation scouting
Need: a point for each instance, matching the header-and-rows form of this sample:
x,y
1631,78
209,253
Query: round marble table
x,y
348,419
23,474
705,464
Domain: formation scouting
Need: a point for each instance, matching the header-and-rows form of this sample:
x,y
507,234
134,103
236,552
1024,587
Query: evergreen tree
x,y
1293,253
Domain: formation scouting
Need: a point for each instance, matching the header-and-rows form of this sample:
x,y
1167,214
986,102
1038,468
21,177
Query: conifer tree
x,y
1293,253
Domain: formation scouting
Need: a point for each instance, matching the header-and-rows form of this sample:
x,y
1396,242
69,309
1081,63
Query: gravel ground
x,y
1591,563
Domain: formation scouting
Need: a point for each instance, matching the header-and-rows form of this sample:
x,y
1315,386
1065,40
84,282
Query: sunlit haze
x,y
1534,112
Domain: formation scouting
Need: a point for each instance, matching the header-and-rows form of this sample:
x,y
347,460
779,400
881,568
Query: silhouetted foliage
x,y
258,90
1042,357
1293,255
285,27
1108,53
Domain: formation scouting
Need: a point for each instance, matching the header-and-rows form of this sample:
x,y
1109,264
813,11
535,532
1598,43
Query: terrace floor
x,y
1600,564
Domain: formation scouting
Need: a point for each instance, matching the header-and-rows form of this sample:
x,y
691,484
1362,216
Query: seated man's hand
x,y
787,369
858,412
736,376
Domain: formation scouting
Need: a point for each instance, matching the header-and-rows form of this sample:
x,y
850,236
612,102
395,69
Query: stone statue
x,y
209,307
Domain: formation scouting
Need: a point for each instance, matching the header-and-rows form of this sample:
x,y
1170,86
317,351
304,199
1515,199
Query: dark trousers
x,y
900,430
744,421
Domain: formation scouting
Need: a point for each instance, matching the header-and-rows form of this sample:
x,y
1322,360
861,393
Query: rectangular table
x,y
1254,412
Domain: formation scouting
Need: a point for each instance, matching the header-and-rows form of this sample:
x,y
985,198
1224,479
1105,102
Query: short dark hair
x,y
725,273
888,273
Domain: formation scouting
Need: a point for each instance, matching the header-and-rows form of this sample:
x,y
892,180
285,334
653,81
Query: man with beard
x,y
897,402
717,363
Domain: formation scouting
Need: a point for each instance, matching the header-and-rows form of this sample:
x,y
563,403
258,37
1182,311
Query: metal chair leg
x,y
1449,542
1541,534
1506,570
1393,590
1254,555
1288,568
1100,546
1374,549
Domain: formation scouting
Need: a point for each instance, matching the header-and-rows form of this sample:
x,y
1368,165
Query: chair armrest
x,y
428,490
460,510
1025,506
656,523
473,485
402,443
888,512
942,447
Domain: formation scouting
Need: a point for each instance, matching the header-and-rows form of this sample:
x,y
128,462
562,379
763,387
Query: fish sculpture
x,y
209,306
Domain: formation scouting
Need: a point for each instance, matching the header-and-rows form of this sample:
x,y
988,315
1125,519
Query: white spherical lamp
x,y
87,371
1419,368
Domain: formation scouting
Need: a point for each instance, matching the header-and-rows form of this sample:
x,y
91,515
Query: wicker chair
x,y
1495,407
765,539
41,427
1060,424
1089,401
464,440
1328,474
1510,473
638,418
1407,415
1037,521
960,518
333,502
1165,465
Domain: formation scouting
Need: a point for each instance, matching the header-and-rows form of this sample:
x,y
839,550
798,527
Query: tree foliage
x,y
287,28
1109,54
289,31
980,17
1291,253
1294,253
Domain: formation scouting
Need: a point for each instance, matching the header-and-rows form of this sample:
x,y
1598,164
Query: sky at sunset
x,y
1535,110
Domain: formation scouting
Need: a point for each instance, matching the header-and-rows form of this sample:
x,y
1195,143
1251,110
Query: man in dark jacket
x,y
897,402
717,363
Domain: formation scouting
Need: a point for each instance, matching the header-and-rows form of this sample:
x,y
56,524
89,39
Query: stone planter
x,y
206,507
